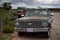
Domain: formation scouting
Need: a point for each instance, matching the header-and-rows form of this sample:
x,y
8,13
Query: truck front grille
x,y
30,24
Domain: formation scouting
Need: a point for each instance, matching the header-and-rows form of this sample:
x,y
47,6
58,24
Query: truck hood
x,y
29,18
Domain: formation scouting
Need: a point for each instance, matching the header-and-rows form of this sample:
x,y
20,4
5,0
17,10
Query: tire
x,y
47,34
20,33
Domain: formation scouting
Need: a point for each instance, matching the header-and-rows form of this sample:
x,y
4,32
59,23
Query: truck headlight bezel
x,y
16,24
44,24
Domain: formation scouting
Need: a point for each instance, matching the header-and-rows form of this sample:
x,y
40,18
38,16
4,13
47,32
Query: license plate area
x,y
29,29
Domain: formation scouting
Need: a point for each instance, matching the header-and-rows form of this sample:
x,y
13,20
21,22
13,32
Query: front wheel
x,y
20,33
47,34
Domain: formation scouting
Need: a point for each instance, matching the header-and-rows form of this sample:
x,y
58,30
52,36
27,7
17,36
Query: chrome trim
x,y
34,29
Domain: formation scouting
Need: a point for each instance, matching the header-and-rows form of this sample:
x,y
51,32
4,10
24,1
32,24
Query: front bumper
x,y
32,29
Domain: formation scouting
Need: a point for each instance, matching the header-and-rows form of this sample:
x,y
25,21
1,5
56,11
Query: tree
x,y
7,6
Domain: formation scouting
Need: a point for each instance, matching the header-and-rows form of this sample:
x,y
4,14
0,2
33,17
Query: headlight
x,y
44,24
17,24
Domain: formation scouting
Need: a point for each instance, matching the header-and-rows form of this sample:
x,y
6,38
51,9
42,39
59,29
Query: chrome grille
x,y
30,24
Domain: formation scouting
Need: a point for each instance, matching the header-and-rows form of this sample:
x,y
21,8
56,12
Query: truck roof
x,y
38,9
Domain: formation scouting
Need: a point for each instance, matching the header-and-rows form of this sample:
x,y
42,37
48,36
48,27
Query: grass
x,y
6,37
7,16
8,24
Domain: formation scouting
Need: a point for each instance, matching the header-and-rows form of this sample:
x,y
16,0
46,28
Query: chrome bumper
x,y
32,29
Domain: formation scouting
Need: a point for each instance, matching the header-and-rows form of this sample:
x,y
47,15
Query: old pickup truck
x,y
35,20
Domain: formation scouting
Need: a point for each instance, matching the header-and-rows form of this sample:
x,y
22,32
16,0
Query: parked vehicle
x,y
21,11
36,20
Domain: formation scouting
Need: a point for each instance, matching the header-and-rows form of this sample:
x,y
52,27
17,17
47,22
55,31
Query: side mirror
x,y
52,14
22,15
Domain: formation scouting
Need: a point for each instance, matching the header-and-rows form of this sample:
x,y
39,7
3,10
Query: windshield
x,y
37,13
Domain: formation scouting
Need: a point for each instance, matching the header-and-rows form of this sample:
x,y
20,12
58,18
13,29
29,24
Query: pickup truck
x,y
36,20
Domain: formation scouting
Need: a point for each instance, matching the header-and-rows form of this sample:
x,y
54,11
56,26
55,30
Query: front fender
x,y
50,20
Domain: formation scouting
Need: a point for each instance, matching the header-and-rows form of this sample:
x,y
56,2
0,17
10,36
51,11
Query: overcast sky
x,y
34,3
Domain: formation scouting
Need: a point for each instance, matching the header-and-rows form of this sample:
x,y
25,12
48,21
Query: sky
x,y
33,3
